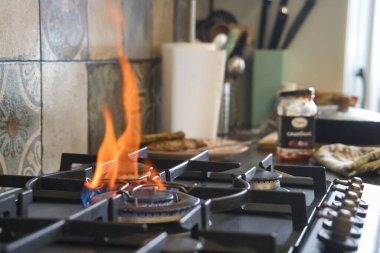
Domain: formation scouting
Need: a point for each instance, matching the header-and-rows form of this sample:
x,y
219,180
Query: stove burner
x,y
126,183
149,205
266,180
150,197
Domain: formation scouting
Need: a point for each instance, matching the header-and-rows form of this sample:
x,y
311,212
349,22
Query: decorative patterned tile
x,y
105,89
148,74
138,28
162,30
19,26
102,29
20,118
64,124
64,29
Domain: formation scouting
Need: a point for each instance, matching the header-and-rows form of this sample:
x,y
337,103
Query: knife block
x,y
269,72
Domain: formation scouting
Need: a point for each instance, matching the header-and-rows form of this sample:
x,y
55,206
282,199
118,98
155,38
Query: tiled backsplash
x,y
58,67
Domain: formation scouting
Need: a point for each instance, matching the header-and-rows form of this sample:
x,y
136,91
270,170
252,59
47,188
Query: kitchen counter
x,y
253,156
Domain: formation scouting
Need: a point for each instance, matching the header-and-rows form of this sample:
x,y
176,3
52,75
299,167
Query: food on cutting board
x,y
171,142
177,145
150,138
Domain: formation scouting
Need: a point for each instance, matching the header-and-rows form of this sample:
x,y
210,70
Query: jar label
x,y
297,132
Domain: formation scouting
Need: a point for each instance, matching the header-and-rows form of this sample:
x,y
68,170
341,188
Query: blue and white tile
x,y
20,118
64,29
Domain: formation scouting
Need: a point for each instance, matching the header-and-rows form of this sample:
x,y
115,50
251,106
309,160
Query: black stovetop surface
x,y
46,214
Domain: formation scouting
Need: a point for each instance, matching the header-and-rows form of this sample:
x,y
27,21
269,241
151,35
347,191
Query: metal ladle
x,y
235,66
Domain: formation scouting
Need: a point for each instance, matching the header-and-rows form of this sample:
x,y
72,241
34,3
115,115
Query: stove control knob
x,y
356,221
349,205
351,187
346,204
354,197
356,188
341,222
339,235
354,180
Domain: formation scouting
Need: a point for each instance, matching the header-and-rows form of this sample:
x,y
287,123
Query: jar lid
x,y
309,91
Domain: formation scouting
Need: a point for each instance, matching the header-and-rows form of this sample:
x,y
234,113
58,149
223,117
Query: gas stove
x,y
206,206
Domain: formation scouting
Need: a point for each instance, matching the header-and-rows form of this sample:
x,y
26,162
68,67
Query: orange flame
x,y
113,159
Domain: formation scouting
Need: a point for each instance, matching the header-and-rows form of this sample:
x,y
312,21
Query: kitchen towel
x,y
349,160
193,75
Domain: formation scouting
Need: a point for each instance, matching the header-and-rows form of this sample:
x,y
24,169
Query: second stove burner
x,y
266,180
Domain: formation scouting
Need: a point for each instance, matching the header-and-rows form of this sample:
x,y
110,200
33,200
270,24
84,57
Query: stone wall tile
x,y
20,118
65,121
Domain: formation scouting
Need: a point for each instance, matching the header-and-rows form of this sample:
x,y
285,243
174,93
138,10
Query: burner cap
x,y
155,206
151,196
266,180
266,175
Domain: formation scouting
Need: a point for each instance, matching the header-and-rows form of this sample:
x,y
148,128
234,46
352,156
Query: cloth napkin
x,y
349,160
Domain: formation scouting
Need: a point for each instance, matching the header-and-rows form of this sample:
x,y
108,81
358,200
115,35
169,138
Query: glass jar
x,y
296,131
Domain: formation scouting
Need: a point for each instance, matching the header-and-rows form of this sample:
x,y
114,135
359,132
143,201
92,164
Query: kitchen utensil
x,y
240,45
233,36
192,18
302,15
235,66
218,21
263,22
220,40
279,25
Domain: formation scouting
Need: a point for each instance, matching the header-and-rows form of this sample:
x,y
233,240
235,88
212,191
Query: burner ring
x,y
183,202
266,180
147,205
148,196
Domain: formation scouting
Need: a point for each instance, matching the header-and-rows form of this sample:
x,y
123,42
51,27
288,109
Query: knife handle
x,y
263,22
278,28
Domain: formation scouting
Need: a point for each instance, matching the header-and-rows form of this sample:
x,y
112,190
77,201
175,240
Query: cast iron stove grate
x,y
230,216
41,235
